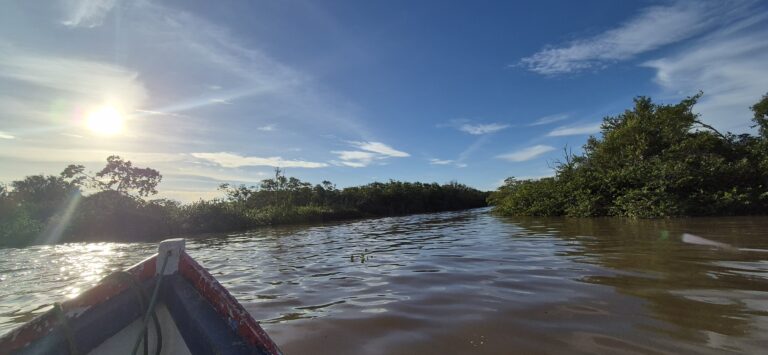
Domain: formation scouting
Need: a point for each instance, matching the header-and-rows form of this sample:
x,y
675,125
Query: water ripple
x,y
455,282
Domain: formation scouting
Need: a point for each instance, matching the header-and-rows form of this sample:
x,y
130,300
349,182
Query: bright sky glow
x,y
355,91
105,120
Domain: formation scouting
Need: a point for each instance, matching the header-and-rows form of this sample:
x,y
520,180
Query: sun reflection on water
x,y
42,275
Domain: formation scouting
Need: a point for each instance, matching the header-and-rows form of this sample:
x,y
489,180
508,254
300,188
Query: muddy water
x,y
459,282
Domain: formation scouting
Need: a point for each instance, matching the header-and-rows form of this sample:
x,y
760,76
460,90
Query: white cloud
x,y
230,160
86,13
355,158
221,101
654,27
4,135
370,152
380,148
478,129
575,130
268,128
355,155
160,113
731,67
354,164
527,153
549,119
440,162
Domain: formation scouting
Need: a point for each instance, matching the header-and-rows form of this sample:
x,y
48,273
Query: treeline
x,y
50,209
652,161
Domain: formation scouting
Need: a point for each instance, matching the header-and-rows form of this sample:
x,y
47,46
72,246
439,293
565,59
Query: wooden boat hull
x,y
194,314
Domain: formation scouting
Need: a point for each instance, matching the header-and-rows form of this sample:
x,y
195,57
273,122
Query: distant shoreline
x,y
51,209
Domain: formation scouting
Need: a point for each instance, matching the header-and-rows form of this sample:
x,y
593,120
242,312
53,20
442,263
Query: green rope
x,y
124,276
152,302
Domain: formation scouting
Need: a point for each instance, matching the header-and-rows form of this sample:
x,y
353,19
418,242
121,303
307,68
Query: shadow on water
x,y
704,293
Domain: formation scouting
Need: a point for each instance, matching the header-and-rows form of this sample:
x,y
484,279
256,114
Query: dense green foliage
x,y
652,161
51,209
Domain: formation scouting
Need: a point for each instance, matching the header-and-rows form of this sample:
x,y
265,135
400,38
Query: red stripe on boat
x,y
226,305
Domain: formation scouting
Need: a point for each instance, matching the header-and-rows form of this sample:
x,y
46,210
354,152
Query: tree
x,y
761,116
118,175
122,176
42,195
652,161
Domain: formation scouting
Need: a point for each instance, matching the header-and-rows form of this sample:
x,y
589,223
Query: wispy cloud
x,y
445,162
730,65
549,119
159,113
54,65
575,130
231,160
440,162
268,128
221,101
380,148
355,158
652,28
216,69
86,13
368,153
4,135
479,129
471,149
89,81
527,153
273,89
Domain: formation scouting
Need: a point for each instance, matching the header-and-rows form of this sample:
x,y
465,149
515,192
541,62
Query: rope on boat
x,y
152,301
142,297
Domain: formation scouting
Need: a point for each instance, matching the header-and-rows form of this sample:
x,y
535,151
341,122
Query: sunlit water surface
x,y
458,282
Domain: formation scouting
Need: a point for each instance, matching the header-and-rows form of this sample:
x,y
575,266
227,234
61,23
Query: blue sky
x,y
357,91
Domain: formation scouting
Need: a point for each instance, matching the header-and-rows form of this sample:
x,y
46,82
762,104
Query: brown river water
x,y
458,282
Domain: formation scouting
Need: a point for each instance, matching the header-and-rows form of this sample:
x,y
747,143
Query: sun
x,y
106,120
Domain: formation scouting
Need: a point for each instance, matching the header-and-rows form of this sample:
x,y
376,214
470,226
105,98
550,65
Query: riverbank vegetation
x,y
112,204
652,161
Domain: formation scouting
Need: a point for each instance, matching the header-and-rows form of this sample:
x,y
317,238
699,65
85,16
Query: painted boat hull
x,y
195,314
